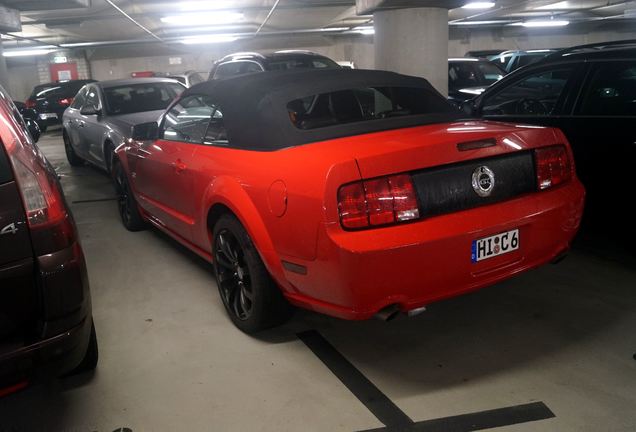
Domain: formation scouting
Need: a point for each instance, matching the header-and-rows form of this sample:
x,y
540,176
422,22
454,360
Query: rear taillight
x,y
377,202
30,103
553,166
66,101
52,228
42,200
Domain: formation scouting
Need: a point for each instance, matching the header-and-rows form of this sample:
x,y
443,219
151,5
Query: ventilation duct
x,y
9,20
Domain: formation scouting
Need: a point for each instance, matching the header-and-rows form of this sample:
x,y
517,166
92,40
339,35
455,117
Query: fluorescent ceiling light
x,y
479,5
548,23
207,18
25,53
555,6
364,30
209,39
471,23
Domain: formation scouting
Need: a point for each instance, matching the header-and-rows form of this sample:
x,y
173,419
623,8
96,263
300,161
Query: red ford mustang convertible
x,y
351,193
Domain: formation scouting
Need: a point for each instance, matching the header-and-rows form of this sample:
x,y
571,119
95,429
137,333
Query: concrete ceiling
x,y
62,22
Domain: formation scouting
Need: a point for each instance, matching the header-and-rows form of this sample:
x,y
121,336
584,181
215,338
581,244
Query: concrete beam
x,y
40,5
365,7
9,20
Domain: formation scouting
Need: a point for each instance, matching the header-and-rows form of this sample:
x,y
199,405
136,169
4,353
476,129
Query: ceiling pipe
x,y
23,38
137,23
176,40
271,12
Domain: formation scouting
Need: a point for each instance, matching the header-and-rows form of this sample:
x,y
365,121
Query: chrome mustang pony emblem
x,y
483,181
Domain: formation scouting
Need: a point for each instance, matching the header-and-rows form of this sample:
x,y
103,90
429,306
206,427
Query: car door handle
x,y
179,166
81,123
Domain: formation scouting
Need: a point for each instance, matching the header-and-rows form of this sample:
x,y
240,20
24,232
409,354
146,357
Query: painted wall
x,y
511,38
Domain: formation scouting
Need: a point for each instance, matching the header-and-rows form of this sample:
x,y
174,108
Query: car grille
x,y
449,188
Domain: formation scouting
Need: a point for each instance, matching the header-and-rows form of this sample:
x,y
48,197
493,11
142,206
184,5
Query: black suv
x,y
50,100
589,92
250,62
46,324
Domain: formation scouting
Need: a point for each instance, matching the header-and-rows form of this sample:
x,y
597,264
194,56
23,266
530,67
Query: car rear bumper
x,y
59,340
359,273
50,357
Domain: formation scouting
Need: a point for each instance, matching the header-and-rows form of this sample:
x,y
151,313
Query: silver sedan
x,y
102,115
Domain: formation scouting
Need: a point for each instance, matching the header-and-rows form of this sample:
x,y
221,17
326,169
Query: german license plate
x,y
46,116
499,244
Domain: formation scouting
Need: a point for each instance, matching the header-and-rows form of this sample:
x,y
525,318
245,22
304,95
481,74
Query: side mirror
x,y
90,110
145,132
469,108
34,129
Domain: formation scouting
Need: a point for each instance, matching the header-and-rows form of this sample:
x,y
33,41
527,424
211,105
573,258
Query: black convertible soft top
x,y
255,106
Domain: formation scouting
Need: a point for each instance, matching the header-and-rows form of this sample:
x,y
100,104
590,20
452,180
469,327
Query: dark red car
x,y
348,192
46,325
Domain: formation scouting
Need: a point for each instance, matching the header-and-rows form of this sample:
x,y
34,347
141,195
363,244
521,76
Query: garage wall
x,y
120,62
22,79
463,40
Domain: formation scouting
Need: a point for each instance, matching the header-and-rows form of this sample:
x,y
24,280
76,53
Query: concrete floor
x,y
170,360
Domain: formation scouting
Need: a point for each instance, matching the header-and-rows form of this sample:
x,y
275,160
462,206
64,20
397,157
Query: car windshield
x,y
363,104
473,74
301,62
134,98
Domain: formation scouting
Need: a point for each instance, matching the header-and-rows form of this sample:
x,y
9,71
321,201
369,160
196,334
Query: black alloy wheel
x,y
71,156
250,296
233,274
126,203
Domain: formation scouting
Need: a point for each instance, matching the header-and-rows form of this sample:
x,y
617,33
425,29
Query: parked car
x,y
103,113
349,192
513,60
50,100
589,92
46,326
250,62
188,78
483,54
468,77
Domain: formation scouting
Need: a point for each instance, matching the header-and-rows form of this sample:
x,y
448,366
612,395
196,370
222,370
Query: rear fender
x,y
229,193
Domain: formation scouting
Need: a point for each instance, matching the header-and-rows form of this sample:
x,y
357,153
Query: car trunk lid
x,y
444,161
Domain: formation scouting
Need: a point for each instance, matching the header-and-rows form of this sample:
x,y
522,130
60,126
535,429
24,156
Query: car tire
x,y
71,156
89,362
250,296
109,156
127,205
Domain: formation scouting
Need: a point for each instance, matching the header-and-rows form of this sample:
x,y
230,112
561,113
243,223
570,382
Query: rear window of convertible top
x,y
363,104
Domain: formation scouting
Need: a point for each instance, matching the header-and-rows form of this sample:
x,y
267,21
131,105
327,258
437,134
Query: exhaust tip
x,y
415,312
388,313
560,257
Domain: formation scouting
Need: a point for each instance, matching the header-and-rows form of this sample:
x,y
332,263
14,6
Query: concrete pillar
x,y
4,74
413,42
